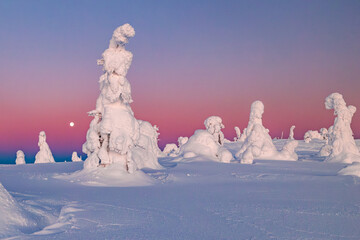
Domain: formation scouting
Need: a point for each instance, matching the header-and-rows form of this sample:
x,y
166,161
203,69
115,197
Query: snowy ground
x,y
194,200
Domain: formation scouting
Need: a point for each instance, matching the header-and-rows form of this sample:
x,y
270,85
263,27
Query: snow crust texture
x,y
115,136
44,155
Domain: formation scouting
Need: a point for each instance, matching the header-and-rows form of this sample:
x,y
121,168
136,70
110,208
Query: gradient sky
x,y
192,59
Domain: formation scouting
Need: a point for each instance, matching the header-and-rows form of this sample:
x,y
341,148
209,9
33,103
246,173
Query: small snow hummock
x,y
291,134
44,155
207,142
20,157
172,150
115,136
75,158
258,143
341,145
312,134
352,169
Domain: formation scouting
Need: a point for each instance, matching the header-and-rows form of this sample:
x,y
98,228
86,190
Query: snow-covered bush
x,y
44,155
75,158
207,142
258,143
114,132
291,134
341,144
311,134
171,150
20,157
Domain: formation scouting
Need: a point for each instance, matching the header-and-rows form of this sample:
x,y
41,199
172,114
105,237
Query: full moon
x,y
72,124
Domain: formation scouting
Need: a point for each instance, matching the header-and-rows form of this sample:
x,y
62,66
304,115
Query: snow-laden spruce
x,y
114,132
291,133
238,134
341,145
75,158
44,155
258,143
20,158
207,142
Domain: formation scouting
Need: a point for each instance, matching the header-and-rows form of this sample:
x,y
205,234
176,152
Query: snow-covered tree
x,y
44,155
291,134
75,158
171,150
114,132
238,134
312,134
20,157
341,141
207,142
258,143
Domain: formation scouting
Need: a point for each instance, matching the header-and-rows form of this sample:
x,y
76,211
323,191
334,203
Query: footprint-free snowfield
x,y
305,199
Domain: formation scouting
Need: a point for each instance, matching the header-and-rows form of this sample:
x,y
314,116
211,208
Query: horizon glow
x,y
191,60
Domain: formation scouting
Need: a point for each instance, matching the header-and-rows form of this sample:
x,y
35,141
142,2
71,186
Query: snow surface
x,y
304,199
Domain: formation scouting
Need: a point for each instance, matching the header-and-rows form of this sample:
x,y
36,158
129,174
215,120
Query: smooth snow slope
x,y
196,200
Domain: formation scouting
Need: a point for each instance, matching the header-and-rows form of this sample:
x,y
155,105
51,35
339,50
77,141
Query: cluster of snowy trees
x,y
116,137
44,154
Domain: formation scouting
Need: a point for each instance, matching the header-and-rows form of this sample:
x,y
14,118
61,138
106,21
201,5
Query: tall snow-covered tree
x,y
114,132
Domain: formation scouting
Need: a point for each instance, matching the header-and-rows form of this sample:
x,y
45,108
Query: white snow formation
x,y
75,158
44,155
258,143
207,142
147,147
291,134
172,150
312,134
341,144
352,169
114,132
12,216
20,157
238,134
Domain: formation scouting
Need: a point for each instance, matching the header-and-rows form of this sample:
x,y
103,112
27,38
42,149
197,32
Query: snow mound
x,y
44,155
353,169
12,216
113,175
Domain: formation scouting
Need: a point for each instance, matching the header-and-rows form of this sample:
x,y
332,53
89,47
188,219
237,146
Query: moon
x,y
72,124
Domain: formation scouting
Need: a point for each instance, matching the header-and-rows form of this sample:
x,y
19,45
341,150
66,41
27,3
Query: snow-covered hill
x,y
305,199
